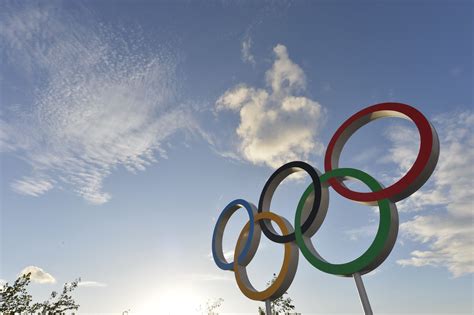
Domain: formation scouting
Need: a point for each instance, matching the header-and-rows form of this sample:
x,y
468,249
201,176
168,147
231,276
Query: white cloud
x,y
450,240
285,76
246,51
404,149
228,255
92,284
447,228
38,275
97,101
456,71
362,232
31,186
451,185
276,125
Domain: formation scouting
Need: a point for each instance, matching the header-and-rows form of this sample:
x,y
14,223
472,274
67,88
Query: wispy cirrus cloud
x,y
91,284
246,52
277,124
98,99
31,186
362,232
227,255
444,223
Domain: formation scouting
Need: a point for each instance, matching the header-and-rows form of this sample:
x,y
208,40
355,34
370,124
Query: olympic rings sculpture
x,y
312,207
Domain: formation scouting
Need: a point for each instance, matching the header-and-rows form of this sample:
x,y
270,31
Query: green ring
x,y
364,263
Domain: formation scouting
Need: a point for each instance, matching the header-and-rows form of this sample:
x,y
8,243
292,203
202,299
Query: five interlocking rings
x,y
313,205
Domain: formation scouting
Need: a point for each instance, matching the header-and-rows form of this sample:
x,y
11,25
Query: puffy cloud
x,y
285,76
38,275
447,230
276,124
99,99
450,240
452,182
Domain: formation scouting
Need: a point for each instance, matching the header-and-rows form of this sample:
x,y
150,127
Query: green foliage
x,y
16,300
210,307
280,305
58,304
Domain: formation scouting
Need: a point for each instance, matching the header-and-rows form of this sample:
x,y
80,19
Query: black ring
x,y
270,186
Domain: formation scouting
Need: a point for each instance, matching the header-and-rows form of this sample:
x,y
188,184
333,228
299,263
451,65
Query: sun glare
x,y
172,301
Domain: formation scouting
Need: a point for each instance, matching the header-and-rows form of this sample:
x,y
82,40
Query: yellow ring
x,y
287,271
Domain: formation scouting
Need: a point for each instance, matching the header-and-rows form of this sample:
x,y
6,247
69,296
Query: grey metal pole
x,y
268,307
364,299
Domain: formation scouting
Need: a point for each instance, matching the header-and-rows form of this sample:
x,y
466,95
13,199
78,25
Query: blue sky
x,y
126,127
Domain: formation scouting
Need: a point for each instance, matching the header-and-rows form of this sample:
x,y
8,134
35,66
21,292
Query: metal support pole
x,y
364,299
268,307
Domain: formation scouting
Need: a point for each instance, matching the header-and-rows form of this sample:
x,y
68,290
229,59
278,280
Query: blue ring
x,y
223,218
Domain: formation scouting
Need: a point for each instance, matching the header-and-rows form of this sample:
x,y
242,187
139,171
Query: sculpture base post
x,y
268,307
364,299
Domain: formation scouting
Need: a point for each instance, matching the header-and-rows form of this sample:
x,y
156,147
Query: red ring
x,y
410,182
